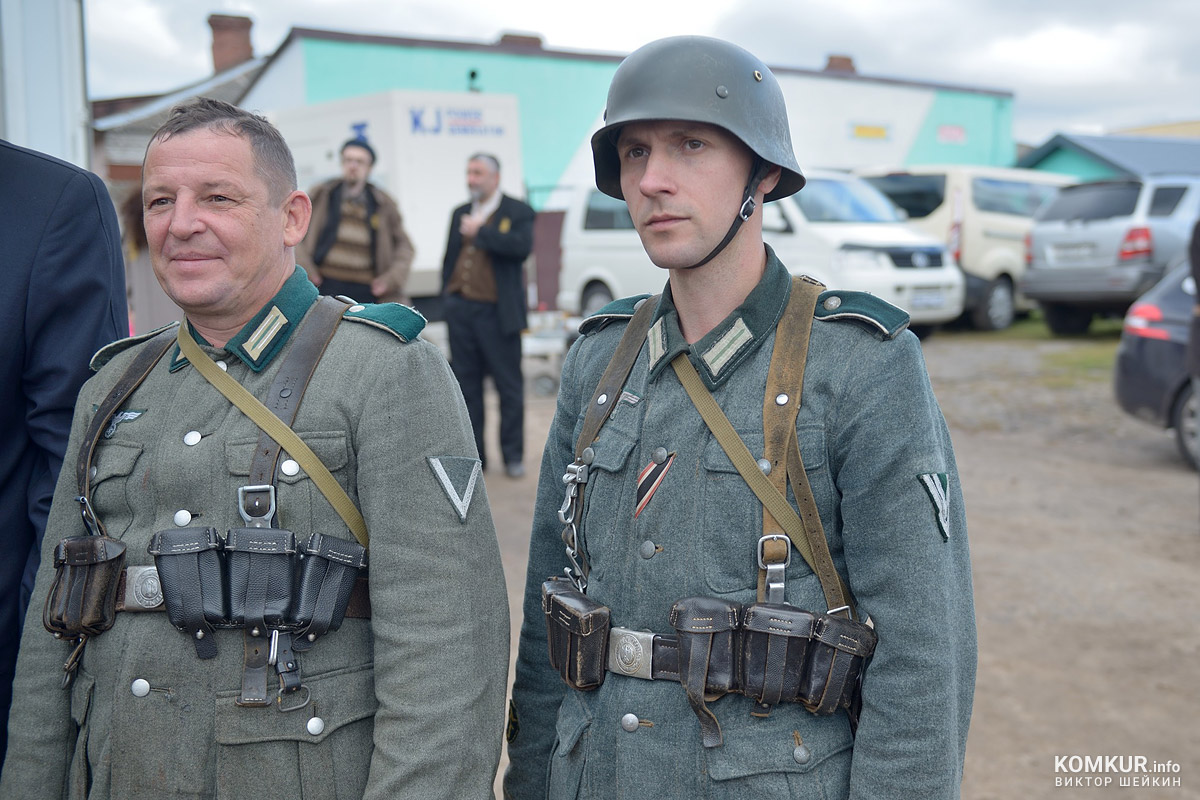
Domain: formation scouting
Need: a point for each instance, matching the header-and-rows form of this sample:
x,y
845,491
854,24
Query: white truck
x,y
422,141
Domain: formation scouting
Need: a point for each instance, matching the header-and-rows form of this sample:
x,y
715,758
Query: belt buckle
x,y
143,591
631,652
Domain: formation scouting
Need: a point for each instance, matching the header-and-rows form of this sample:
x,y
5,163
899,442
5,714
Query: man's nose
x,y
657,174
185,218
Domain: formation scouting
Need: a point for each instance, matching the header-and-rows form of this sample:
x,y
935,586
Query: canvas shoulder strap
x,y
781,406
279,431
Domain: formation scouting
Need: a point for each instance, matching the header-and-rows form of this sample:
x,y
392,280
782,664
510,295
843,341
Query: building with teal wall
x,y
840,119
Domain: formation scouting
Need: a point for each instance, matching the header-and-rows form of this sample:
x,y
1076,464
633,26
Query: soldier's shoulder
x,y
400,321
839,305
617,312
110,351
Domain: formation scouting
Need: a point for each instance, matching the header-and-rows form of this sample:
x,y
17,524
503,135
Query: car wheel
x,y
998,308
1066,320
595,297
1184,419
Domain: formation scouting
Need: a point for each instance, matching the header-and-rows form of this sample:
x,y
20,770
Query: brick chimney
x,y
230,41
840,63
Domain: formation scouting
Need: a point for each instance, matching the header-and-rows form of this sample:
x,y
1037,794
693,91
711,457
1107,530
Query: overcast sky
x,y
1080,66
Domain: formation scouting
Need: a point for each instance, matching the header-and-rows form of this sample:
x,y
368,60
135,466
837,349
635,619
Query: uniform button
x,y
781,399
289,468
588,455
140,687
765,466
659,455
356,309
647,549
315,726
629,722
224,367
832,303
602,399
182,517
802,754
93,472
192,438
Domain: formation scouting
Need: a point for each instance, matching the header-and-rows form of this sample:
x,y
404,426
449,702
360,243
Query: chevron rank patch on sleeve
x,y
457,477
937,485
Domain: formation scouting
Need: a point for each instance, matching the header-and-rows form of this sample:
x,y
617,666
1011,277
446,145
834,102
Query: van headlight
x,y
855,257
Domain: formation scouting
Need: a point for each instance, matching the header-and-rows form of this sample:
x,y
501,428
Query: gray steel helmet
x,y
698,79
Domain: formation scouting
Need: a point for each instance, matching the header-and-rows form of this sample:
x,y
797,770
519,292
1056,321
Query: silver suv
x,y
1096,247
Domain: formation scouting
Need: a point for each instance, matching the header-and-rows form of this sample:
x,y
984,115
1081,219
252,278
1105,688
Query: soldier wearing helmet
x,y
675,648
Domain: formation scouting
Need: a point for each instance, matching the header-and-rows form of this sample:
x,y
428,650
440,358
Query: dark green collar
x,y
265,335
718,354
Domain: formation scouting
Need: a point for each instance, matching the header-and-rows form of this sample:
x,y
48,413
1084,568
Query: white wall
x,y
43,90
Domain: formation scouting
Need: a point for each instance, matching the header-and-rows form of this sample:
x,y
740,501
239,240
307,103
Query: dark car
x,y
1151,379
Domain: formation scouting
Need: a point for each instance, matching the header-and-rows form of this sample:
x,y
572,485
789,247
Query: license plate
x,y
1072,252
928,298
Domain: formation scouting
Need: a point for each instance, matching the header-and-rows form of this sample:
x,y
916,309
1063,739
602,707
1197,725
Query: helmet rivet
x,y
757,75
722,92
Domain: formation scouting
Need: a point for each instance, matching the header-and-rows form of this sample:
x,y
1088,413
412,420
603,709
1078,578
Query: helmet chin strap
x,y
758,171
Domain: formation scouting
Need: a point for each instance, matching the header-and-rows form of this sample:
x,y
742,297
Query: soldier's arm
x,y
538,690
905,545
438,603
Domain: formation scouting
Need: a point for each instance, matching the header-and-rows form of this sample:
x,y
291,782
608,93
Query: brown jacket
x,y
393,249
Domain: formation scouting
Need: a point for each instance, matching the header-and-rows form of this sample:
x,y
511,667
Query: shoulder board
x,y
401,321
863,307
106,353
617,310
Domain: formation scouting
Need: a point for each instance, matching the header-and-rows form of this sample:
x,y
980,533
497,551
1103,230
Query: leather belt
x,y
643,654
138,589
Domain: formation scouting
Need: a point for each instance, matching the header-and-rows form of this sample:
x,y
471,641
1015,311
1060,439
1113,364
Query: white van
x,y
838,229
983,215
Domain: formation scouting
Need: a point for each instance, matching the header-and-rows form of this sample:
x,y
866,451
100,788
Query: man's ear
x,y
297,211
771,181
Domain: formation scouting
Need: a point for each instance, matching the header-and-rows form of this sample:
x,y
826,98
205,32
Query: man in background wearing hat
x,y
356,245
706,684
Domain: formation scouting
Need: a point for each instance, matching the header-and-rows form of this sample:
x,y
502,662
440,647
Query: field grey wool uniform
x,y
878,455
407,704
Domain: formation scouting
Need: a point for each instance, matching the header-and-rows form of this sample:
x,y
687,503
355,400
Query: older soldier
x,y
245,685
708,685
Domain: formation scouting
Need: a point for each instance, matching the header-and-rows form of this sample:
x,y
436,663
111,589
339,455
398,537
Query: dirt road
x,y
1085,537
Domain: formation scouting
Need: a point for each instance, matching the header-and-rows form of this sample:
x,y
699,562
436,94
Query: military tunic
x,y
406,704
869,428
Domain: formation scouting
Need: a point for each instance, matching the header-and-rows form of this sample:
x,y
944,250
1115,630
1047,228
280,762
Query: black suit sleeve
x,y
510,234
76,305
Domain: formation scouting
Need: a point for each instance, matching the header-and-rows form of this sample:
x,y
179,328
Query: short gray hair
x,y
487,157
272,158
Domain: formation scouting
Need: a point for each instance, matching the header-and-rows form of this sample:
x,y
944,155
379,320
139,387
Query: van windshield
x,y
918,195
844,200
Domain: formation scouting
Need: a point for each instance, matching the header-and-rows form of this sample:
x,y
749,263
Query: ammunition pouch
x,y
248,580
838,654
83,595
771,653
190,568
329,569
707,631
776,642
577,633
259,562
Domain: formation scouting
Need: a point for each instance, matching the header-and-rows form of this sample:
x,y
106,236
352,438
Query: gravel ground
x,y
1085,536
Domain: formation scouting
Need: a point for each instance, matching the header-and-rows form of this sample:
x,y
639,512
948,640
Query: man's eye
x,y
637,151
693,144
158,202
219,198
